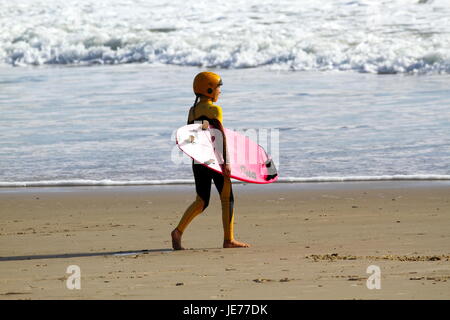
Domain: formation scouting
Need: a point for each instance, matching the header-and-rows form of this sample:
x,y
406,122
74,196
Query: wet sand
x,y
309,241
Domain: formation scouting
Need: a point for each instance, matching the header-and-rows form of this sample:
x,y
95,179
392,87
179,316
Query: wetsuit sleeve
x,y
217,113
216,121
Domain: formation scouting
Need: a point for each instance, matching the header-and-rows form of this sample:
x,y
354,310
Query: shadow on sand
x,y
82,254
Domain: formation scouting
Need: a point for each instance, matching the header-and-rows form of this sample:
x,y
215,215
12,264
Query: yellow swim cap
x,y
205,83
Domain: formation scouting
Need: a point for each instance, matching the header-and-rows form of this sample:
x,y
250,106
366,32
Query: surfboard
x,y
249,161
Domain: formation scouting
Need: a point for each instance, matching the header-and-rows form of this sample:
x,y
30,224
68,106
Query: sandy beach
x,y
309,241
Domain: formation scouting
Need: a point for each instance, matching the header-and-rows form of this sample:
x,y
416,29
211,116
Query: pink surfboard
x,y
249,162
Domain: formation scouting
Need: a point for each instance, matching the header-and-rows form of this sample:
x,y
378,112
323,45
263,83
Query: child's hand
x,y
205,124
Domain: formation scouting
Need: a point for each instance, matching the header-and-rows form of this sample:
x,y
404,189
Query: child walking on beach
x,y
207,91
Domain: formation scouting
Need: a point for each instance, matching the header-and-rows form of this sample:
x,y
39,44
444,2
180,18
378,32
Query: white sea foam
x,y
107,182
396,36
365,178
82,182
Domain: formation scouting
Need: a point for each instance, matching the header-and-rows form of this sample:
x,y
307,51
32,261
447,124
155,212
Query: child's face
x,y
217,93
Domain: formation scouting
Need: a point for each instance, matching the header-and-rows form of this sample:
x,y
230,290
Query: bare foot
x,y
176,239
234,244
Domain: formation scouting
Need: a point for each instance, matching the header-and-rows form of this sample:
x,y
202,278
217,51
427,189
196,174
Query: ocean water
x,y
115,124
375,36
91,92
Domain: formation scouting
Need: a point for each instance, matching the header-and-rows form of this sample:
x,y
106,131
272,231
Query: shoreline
x,y
313,185
174,182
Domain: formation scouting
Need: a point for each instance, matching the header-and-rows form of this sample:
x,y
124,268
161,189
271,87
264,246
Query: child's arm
x,y
226,162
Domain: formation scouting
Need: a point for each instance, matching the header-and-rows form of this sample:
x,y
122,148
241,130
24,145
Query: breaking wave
x,y
383,37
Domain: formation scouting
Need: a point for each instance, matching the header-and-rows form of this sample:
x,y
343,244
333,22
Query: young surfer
x,y
207,91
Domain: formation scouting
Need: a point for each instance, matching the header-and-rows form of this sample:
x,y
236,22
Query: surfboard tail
x,y
271,170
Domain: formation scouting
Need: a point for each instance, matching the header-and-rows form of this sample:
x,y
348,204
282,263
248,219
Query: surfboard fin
x,y
210,161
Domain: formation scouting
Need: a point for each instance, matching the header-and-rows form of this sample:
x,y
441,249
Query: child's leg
x,y
191,212
203,188
224,187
